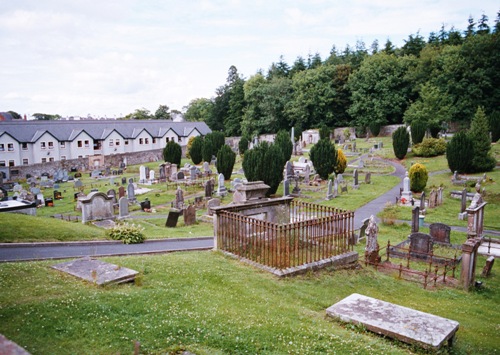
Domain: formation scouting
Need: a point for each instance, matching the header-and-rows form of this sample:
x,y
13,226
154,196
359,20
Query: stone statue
x,y
478,198
372,247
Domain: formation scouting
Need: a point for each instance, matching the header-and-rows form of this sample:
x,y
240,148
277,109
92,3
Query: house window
x,y
154,140
44,160
126,142
51,159
111,143
80,156
11,163
51,145
2,163
24,146
63,157
117,142
180,139
167,139
146,141
10,147
141,141
43,145
25,162
80,144
62,144
2,147
87,144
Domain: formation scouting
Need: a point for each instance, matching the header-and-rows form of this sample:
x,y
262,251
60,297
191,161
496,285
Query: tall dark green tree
x,y
285,145
172,153
460,152
480,137
196,150
162,113
400,142
324,157
232,121
225,161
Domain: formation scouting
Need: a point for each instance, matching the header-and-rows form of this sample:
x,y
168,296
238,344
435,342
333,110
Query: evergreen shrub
x,y
196,150
459,153
243,145
324,157
284,142
341,163
400,142
172,153
418,129
418,177
225,161
127,233
430,147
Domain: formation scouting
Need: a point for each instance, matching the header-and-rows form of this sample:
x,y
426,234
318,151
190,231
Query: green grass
x,y
210,304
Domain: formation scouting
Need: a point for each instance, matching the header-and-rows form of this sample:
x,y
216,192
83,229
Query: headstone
x,y
406,194
130,192
463,205
35,190
206,166
361,164
440,233
180,175
17,188
40,198
335,187
192,172
422,202
147,172
368,178
362,229
415,214
131,180
439,198
432,198
238,197
286,187
173,169
97,206
296,189
123,207
111,181
307,173
95,174
329,193
163,175
57,195
124,180
121,192
173,217
343,188
208,189
221,189
112,194
289,170
214,202
189,215
340,178
151,175
488,266
372,247
179,198
355,183
142,174
420,243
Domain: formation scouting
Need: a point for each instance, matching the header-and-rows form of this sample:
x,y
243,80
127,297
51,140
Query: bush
x,y
400,142
211,145
253,161
341,163
225,161
494,121
172,153
188,147
459,153
480,137
324,157
374,128
418,129
243,145
324,132
263,163
418,177
127,233
196,150
284,142
430,147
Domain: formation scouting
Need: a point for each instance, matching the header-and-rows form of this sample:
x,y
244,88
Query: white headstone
x,y
142,174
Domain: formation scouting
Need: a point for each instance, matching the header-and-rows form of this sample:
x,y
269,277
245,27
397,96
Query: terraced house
x,y
33,142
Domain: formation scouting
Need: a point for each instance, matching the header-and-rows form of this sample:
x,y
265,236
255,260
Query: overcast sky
x,y
108,58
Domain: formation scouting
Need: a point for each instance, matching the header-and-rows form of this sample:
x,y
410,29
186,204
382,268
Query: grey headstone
x,y
189,215
123,207
142,174
415,214
286,187
131,192
179,198
221,189
214,202
421,243
208,189
112,193
96,206
368,178
180,175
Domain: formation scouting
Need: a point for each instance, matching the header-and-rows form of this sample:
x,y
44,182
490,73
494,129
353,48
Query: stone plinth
x,y
405,324
252,190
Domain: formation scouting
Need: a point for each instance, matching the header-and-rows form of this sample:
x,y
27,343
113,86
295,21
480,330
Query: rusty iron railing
x,y
314,233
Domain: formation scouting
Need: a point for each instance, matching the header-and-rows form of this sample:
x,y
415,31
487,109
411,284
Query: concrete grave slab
x,y
9,347
97,271
405,324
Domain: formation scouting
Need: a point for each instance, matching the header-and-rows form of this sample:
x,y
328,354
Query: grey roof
x,y
31,131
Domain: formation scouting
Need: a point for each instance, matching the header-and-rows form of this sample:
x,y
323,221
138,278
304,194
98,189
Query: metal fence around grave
x,y
314,233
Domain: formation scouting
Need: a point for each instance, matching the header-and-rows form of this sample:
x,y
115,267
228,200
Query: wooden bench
x,y
405,324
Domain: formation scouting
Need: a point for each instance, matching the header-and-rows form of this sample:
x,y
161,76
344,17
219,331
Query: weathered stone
x,y
420,243
214,202
415,214
172,218
96,206
189,215
440,233
123,207
488,266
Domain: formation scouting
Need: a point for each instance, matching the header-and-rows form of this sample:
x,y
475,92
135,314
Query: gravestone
x,y
189,215
340,178
112,181
180,175
439,198
192,173
179,198
406,194
142,174
286,187
123,207
238,197
432,199
440,233
343,188
362,229
96,206
415,214
463,206
17,188
422,202
307,173
151,175
361,164
289,174
372,247
121,192
208,189
488,266
131,192
329,192
40,198
173,217
131,180
112,194
368,178
355,183
335,188
214,202
206,167
95,174
173,169
35,190
124,180
57,195
221,189
421,243
147,172
163,175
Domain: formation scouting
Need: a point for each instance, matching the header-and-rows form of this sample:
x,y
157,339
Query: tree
x,y
324,157
225,161
263,163
341,163
243,145
460,152
413,46
212,143
46,117
232,121
162,113
172,153
418,177
479,134
253,162
198,110
284,142
15,115
196,150
139,114
400,142
324,132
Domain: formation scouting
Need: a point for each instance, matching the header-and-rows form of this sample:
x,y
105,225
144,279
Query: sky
x,y
109,58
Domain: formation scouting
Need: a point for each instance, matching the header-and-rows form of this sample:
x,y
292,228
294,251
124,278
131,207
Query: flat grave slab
x,y
9,347
402,323
97,271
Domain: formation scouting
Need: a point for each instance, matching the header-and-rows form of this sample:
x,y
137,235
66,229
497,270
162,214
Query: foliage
x,y
128,233
284,142
430,147
418,177
243,145
324,132
15,115
233,119
188,146
196,150
212,143
479,134
460,152
264,163
198,110
172,153
341,163
46,117
374,128
162,113
324,157
400,142
253,162
139,114
418,129
225,161
494,120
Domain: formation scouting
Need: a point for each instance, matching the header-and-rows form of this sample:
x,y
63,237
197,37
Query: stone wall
x,y
82,164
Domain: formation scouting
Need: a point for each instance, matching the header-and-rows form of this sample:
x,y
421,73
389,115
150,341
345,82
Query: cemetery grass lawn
x,y
154,228
17,228
207,303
